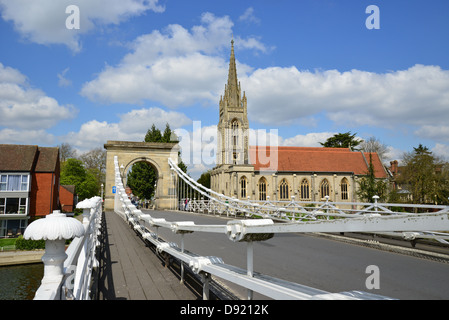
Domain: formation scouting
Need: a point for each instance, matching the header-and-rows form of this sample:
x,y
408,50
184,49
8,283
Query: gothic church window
x,y
305,190
344,189
243,185
235,132
283,190
262,189
324,188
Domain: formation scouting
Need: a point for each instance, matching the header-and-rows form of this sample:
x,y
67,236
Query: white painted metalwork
x,y
277,217
327,216
68,273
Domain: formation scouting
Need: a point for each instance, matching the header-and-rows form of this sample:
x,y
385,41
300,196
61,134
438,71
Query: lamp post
x,y
101,193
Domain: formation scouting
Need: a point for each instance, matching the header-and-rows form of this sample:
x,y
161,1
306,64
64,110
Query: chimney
x,y
394,167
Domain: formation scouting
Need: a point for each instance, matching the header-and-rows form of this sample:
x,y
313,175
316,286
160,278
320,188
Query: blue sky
x,y
310,69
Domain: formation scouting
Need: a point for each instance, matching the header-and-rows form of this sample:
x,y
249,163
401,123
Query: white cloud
x,y
249,16
63,81
173,81
38,137
132,127
44,21
434,132
308,140
442,151
416,96
26,108
176,67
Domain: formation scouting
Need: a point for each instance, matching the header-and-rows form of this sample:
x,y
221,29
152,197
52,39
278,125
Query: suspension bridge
x,y
248,222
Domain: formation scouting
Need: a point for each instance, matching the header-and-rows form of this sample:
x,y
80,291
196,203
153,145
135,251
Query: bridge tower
x,y
154,153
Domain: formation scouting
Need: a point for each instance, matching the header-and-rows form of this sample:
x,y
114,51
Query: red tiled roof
x,y
316,159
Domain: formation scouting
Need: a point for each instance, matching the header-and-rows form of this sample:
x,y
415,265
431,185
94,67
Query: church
x,y
279,173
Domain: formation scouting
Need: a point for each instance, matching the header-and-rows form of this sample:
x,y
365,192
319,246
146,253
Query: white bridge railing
x,y
294,218
334,216
68,272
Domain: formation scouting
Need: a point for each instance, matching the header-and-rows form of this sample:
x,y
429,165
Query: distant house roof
x,y
316,159
27,158
17,157
47,160
69,188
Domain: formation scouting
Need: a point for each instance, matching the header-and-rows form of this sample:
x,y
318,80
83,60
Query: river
x,y
20,282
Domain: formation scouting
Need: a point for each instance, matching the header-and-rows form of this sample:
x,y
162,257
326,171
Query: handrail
x,y
237,230
68,273
326,217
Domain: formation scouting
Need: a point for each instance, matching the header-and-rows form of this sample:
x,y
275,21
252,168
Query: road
x,y
318,262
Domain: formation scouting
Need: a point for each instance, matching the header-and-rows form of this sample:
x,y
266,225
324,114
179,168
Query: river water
x,y
20,282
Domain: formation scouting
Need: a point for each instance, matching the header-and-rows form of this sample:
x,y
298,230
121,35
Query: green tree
x,y
342,140
167,135
424,176
141,180
95,162
74,173
370,186
153,135
205,179
143,176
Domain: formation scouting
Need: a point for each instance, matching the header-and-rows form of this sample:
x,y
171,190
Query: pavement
x,y
9,258
129,270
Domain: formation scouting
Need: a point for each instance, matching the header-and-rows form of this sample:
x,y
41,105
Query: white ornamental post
x,y
55,229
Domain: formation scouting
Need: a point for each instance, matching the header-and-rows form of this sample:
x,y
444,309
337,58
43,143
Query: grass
x,y
8,244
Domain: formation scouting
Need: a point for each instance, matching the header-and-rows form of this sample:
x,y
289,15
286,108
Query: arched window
x,y
283,190
243,185
235,133
235,140
305,190
324,188
262,189
344,189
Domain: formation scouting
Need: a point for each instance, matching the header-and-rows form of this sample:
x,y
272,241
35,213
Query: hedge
x,y
22,244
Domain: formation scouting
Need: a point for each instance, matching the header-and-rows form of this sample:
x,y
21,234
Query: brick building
x,y
67,198
29,185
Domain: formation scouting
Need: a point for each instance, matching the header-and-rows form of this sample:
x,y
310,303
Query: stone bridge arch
x,y
129,153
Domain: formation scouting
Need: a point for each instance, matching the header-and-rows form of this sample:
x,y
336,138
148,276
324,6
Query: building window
x,y
262,189
324,188
283,190
243,185
344,189
305,190
13,205
12,228
235,132
14,182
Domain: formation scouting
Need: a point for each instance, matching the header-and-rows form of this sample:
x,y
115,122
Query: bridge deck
x,y
131,271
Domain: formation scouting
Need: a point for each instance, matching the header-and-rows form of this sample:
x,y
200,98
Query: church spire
x,y
233,90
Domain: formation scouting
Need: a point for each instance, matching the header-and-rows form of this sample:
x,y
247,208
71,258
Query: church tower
x,y
233,126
